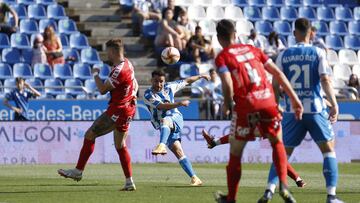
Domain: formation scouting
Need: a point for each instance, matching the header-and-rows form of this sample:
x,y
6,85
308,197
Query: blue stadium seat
x,y
37,11
307,12
90,87
276,3
22,70
149,28
46,2
258,3
338,28
357,13
71,53
126,5
82,96
240,3
332,3
252,13
282,27
56,12
313,3
263,27
36,83
9,85
352,42
5,71
11,55
20,41
20,10
354,27
270,13
28,26
64,96
10,2
67,26
26,2
104,70
82,71
52,86
26,55
42,71
90,56
325,13
294,3
343,13
78,41
188,70
64,41
43,23
322,27
103,97
334,42
63,71
46,96
70,84
288,13
4,41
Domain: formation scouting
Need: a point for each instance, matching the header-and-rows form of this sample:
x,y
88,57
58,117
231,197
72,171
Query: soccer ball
x,y
170,55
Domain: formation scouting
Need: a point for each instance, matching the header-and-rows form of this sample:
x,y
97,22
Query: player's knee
x,y
166,122
326,147
90,135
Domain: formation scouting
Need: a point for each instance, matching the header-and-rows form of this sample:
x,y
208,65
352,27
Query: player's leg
x,y
125,158
101,126
167,125
211,142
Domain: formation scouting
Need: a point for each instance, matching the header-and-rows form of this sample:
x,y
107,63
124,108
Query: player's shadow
x,y
188,186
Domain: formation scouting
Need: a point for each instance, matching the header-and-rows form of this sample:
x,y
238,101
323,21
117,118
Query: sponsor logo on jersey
x,y
242,132
114,117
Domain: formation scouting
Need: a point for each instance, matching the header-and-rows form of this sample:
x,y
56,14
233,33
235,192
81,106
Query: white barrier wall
x,y
60,142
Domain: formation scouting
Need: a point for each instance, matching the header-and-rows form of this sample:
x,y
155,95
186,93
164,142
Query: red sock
x,y
224,139
280,161
125,161
291,172
86,150
233,171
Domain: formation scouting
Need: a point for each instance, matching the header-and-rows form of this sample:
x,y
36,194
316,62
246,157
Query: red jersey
x,y
252,90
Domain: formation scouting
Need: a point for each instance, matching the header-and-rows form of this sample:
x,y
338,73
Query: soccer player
x,y
122,86
306,67
242,72
165,116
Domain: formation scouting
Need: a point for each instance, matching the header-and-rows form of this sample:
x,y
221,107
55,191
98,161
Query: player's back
x,y
303,65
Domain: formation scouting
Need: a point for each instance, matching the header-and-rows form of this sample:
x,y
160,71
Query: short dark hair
x,y
19,79
212,70
313,28
115,43
224,29
302,25
165,10
158,73
197,28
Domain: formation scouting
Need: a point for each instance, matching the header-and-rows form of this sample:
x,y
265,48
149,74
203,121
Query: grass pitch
x,y
165,183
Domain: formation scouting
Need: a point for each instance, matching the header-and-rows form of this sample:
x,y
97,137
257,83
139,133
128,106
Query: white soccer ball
x,y
170,55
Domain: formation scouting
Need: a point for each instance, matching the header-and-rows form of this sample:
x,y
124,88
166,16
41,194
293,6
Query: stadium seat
x,y
356,70
332,57
67,26
43,23
215,13
263,27
252,13
90,86
282,27
20,10
82,71
332,3
64,41
26,2
188,70
342,72
22,70
322,28
325,13
27,55
4,41
276,3
11,55
78,41
64,96
291,40
42,71
357,13
73,86
90,56
46,2
208,27
288,13
307,12
28,26
240,3
63,71
222,3
104,70
294,3
354,27
53,86
348,56
5,71
149,28
334,42
37,11
36,83
9,85
196,12
204,3
46,96
233,13
56,11
258,3
343,14
71,53
10,2
243,27
352,42
82,96
20,41
338,28
270,13
313,3
105,96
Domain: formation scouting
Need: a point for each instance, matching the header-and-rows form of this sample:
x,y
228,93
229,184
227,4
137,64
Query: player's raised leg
x,y
101,126
211,142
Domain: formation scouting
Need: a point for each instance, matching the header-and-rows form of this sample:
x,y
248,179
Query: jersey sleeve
x,y
177,85
263,57
151,100
221,63
324,68
114,78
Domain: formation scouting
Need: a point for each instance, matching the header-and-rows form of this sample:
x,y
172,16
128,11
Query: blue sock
x,y
164,133
186,165
273,179
330,171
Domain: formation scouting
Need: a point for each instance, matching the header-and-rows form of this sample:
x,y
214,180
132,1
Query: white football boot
x,y
74,173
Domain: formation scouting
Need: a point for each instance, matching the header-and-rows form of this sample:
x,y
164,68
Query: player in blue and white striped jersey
x,y
165,116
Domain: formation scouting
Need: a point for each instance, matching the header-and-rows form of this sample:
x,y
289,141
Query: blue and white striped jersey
x,y
153,99
303,64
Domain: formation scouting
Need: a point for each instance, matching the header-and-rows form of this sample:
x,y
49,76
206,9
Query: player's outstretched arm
x,y
227,89
168,106
192,79
102,87
330,96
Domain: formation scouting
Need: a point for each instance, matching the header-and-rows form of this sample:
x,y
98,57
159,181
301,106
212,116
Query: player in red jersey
x,y
242,72
122,86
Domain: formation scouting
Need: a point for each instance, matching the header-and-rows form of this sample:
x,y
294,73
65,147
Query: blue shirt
x,y
20,99
303,64
153,99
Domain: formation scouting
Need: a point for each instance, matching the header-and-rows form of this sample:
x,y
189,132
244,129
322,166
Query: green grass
x,y
165,183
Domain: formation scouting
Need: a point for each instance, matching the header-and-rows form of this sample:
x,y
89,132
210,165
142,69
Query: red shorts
x,y
267,121
122,115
